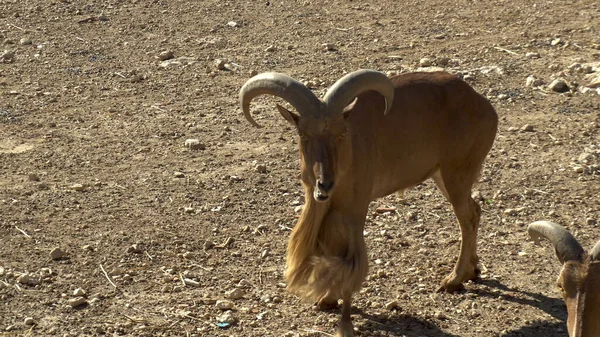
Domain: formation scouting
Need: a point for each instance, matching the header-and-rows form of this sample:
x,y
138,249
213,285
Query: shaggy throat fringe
x,y
326,255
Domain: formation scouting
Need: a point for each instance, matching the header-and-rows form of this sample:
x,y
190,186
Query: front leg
x,y
346,329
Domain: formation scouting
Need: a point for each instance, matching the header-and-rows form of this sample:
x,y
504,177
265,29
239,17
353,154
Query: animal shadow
x,y
401,325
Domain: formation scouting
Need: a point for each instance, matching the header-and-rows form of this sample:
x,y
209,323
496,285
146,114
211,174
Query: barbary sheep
x,y
369,137
579,278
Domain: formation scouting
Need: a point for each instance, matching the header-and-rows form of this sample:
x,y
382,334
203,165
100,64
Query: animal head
x,y
322,125
579,278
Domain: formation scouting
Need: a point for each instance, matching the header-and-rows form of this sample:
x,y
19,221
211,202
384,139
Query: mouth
x,y
319,196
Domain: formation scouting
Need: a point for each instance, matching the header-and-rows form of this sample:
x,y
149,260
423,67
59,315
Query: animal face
x,y
325,150
579,284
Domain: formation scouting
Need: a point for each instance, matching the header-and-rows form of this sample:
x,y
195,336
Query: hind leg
x,y
458,191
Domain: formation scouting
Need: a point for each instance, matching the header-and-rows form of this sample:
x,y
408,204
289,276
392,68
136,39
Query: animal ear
x,y
348,108
289,116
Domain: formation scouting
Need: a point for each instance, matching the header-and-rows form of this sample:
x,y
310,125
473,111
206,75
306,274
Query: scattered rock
x,y
270,49
194,144
555,42
77,187
595,82
533,81
253,73
328,47
527,128
235,294
224,305
190,282
425,62
79,292
591,222
180,61
77,301
261,168
25,41
532,55
559,85
439,315
7,56
28,279
57,253
178,174
298,209
29,321
165,55
226,319
233,24
578,169
136,78
392,305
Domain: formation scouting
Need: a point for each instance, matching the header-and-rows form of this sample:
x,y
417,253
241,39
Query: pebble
x,y
533,81
77,301
235,294
328,47
165,55
178,174
270,49
220,64
224,305
425,62
77,187
180,61
392,305
194,144
532,55
595,82
227,318
190,282
7,56
233,24
439,315
25,41
253,73
261,168
298,209
578,169
29,321
555,42
559,85
57,253
591,222
79,292
28,279
528,128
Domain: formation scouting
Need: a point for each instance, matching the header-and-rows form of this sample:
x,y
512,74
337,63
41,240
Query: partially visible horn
x,y
342,92
595,252
280,85
566,246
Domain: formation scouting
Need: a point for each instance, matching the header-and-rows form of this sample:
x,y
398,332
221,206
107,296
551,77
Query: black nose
x,y
325,186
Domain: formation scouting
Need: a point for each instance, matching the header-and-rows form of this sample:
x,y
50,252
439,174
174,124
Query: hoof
x,y
345,330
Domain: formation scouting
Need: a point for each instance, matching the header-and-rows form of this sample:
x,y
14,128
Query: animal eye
x,y
560,287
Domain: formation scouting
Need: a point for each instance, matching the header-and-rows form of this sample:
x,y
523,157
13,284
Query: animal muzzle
x,y
323,189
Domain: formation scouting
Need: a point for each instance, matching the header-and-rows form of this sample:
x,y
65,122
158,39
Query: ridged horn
x,y
566,246
595,252
280,85
342,92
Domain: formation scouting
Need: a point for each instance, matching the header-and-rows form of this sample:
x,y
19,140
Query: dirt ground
x,y
93,161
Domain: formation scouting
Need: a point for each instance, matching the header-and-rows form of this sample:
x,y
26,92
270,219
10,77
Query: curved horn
x,y
342,92
565,245
595,252
280,85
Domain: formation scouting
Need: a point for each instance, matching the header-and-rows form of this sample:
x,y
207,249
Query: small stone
x,y
194,144
392,305
522,253
235,294
578,169
221,64
532,55
233,24
591,222
29,321
425,62
136,78
178,174
134,248
189,210
77,187
261,168
33,177
190,282
595,82
559,85
165,55
79,292
25,41
510,211
527,128
328,47
555,42
57,253
227,318
532,81
253,73
298,209
28,280
77,301
103,17
270,49
224,305
439,315
7,56
208,244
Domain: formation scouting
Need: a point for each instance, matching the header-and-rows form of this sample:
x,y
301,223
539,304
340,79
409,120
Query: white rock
x,y
235,294
180,61
425,62
270,49
533,81
77,301
79,292
29,321
77,187
190,282
595,82
532,55
392,305
194,144
28,279
578,169
233,24
165,55
224,305
25,41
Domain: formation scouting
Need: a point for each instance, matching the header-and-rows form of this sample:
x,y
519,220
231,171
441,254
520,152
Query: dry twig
x,y
108,277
